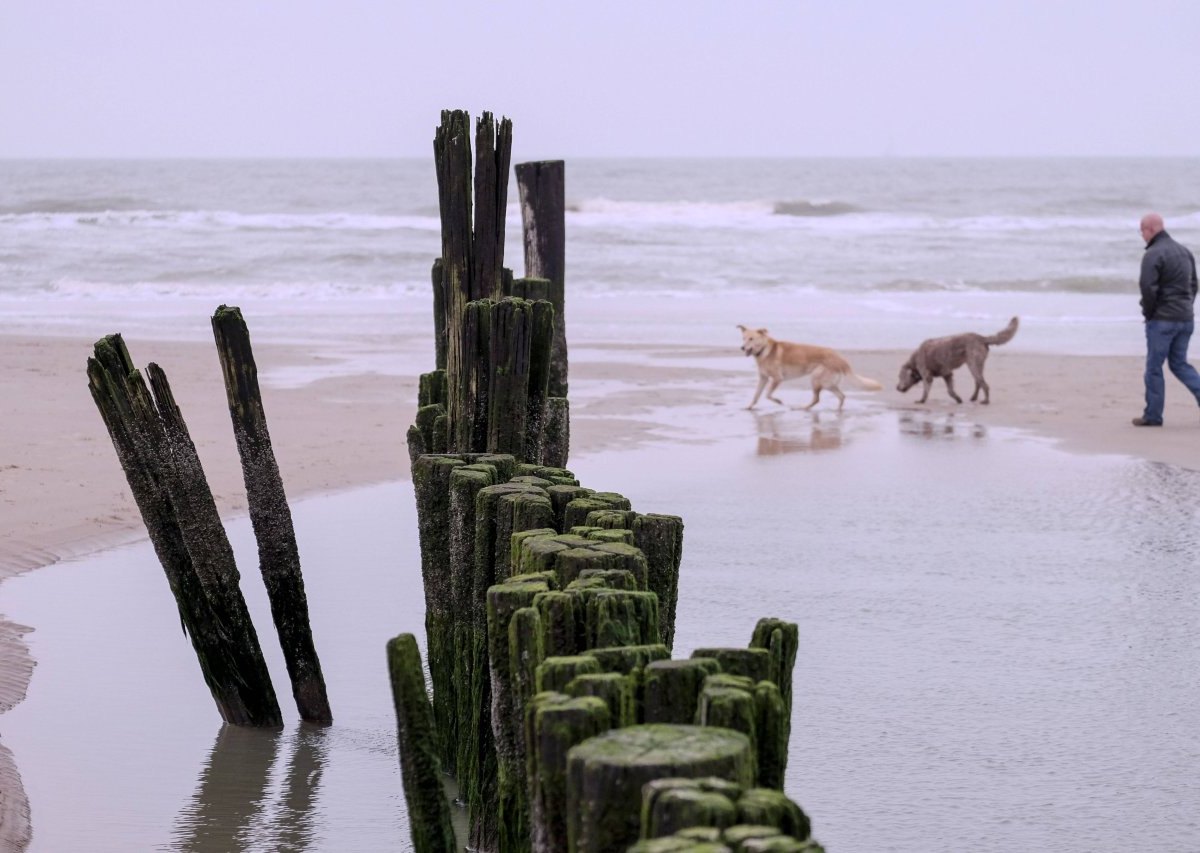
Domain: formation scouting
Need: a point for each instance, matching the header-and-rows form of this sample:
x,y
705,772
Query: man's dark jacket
x,y
1168,280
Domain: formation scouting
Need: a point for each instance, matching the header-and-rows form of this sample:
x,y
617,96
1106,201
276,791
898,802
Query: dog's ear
x,y
762,331
740,326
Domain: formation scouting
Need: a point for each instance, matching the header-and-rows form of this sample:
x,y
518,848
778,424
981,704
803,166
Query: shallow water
x,y
997,648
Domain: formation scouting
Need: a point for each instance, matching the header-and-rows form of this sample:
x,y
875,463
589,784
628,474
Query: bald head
x,y
1152,224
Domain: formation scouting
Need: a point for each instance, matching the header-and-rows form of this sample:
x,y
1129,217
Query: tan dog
x,y
780,360
942,356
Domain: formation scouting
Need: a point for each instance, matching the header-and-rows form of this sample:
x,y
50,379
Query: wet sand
x,y
64,495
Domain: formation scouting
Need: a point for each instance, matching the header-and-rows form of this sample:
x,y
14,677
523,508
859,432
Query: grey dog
x,y
942,356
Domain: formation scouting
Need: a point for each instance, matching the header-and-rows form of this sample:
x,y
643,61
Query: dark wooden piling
x,y
555,673
270,516
618,691
493,155
782,640
509,362
219,627
679,808
660,538
554,725
541,189
440,344
504,601
752,663
605,776
672,688
428,811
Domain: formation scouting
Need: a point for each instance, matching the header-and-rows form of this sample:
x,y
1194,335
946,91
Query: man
x,y
1168,285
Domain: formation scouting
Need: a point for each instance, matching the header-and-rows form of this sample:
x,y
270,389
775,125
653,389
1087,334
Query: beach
x,y
339,429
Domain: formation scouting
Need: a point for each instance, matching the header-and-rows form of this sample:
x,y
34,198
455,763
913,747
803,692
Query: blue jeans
x,y
1167,340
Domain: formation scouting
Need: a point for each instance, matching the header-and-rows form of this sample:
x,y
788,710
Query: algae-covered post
x,y
428,810
278,554
211,608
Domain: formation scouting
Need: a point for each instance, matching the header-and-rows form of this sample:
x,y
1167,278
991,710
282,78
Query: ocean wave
x,y
184,288
217,220
72,205
814,208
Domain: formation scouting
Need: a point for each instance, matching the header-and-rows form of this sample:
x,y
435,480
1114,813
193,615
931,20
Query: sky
x,y
690,78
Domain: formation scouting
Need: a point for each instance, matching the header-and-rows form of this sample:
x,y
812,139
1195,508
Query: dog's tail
x,y
863,382
1004,335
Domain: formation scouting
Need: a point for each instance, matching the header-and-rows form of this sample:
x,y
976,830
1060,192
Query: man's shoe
x,y
1144,422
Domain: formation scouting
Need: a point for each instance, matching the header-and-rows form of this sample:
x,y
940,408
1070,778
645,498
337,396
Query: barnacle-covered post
x,y
176,505
270,516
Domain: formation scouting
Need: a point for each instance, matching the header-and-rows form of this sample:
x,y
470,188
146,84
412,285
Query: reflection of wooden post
x,y
278,554
211,608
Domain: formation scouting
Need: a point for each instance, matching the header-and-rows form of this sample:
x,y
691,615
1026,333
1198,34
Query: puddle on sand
x,y
997,648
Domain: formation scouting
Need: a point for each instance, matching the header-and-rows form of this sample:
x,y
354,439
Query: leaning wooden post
x,y
278,554
234,672
428,811
542,193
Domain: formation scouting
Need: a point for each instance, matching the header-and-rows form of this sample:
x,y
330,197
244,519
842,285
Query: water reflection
x,y
939,425
785,432
236,806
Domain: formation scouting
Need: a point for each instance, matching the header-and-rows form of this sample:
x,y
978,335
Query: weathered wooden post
x,y
428,810
541,188
554,723
270,516
605,775
165,477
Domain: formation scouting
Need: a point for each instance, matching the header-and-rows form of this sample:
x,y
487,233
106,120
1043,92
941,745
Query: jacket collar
x,y
1160,235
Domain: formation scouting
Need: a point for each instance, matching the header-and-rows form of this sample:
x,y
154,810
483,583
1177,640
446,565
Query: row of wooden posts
x,y
550,607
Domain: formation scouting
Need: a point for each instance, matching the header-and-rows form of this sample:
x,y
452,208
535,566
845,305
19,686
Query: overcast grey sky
x,y
129,78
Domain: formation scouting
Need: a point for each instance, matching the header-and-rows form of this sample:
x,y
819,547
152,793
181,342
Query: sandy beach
x,y
65,496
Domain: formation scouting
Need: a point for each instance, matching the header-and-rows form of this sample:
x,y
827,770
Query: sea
x,y
852,253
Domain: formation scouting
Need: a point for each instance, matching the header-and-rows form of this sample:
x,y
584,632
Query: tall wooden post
x,y
270,516
541,189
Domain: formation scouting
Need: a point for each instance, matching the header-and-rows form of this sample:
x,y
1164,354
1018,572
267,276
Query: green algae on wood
x,y
660,539
618,692
621,618
768,807
270,516
754,664
782,640
556,672
554,724
605,776
680,808
559,623
671,689
428,811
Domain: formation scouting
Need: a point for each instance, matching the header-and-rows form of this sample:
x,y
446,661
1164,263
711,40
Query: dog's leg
x,y
980,384
771,391
926,384
838,393
816,396
762,383
950,387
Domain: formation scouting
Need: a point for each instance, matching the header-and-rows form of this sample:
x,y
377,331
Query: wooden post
x,y
278,554
553,725
605,775
542,192
226,647
428,811
493,154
